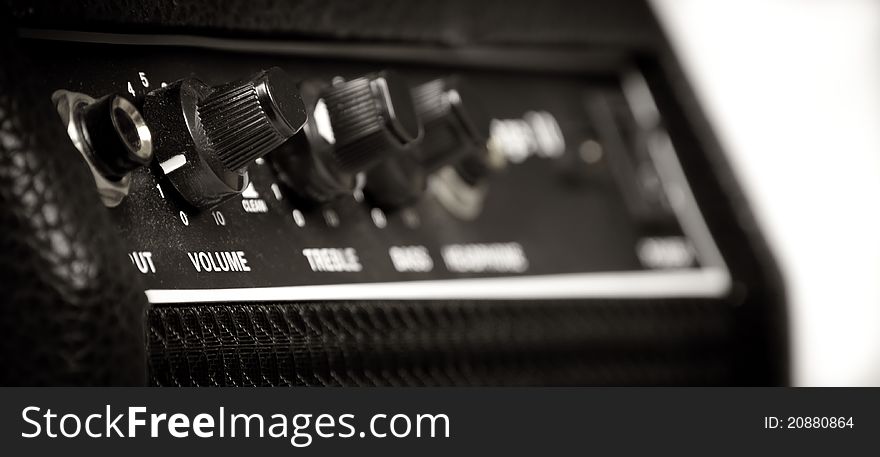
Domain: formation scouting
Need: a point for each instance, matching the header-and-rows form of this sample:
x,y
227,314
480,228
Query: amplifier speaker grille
x,y
676,342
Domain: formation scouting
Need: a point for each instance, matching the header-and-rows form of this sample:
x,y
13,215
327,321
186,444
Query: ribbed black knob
x,y
372,119
245,120
205,137
306,164
456,126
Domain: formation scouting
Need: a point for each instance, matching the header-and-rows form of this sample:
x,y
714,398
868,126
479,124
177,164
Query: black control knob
x,y
206,137
245,120
456,125
306,164
372,119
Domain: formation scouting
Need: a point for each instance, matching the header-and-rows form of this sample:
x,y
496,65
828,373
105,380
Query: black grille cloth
x,y
442,343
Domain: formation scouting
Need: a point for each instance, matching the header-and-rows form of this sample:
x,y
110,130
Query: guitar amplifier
x,y
369,193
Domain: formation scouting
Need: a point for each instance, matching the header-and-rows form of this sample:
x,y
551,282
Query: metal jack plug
x,y
112,137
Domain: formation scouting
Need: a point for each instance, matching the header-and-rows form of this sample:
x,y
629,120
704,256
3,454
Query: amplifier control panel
x,y
253,177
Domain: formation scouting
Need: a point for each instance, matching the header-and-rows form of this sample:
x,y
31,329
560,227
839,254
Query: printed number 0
x,y
183,218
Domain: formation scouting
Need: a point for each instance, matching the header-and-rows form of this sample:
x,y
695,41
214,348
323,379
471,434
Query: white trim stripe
x,y
706,282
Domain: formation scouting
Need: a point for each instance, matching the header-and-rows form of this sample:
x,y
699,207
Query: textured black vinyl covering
x,y
71,309
451,22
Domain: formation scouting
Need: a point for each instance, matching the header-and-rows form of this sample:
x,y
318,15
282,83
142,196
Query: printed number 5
x,y
144,80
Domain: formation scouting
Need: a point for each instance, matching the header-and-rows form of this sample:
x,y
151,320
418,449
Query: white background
x,y
792,89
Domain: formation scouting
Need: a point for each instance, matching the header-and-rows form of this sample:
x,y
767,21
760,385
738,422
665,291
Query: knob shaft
x,y
396,183
373,118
